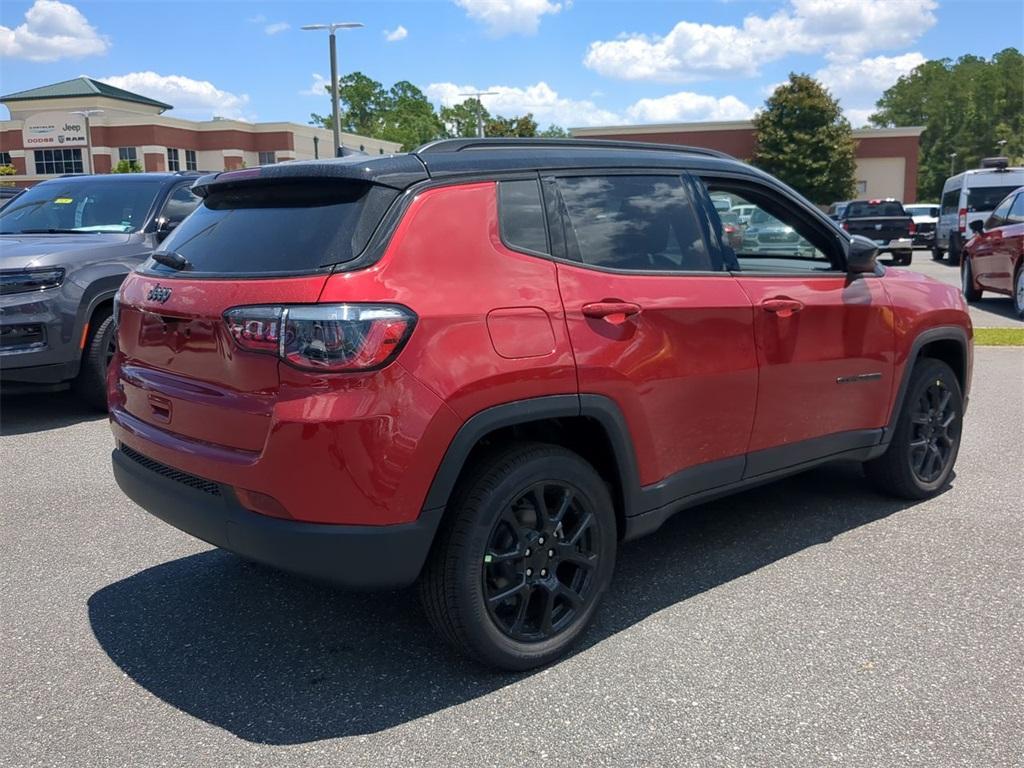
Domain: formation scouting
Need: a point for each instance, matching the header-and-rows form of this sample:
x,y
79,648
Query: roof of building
x,y
82,86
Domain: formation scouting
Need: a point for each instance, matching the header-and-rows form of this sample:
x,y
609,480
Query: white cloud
x,y
396,34
859,84
196,99
845,29
276,27
539,99
318,87
503,17
686,106
52,30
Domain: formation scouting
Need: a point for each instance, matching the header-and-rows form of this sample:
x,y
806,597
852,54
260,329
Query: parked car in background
x,y
743,213
971,196
835,210
484,364
925,217
722,203
765,234
884,222
993,259
732,230
65,246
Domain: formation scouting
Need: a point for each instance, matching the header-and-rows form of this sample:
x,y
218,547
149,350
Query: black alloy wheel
x,y
935,432
540,561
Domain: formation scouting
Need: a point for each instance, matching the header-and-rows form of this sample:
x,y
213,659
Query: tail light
x,y
845,225
330,338
913,228
961,221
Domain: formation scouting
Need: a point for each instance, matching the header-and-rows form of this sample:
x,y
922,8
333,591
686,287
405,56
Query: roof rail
x,y
459,145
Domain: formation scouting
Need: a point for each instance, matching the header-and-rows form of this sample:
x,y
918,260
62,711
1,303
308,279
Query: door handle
x,y
782,306
614,312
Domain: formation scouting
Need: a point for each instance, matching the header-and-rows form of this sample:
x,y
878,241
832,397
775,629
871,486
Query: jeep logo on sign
x,y
159,293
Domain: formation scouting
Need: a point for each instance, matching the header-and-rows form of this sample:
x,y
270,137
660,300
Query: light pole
x,y
952,162
87,113
334,73
1001,144
479,109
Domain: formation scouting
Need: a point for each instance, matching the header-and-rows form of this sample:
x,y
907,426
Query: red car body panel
x,y
996,256
683,370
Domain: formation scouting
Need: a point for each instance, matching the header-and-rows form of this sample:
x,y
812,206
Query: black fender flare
x,y
598,407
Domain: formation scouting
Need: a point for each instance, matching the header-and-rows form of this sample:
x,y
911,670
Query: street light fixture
x,y
1001,144
479,108
87,113
334,73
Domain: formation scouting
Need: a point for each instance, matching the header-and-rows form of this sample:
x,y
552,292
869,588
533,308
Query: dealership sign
x,y
54,129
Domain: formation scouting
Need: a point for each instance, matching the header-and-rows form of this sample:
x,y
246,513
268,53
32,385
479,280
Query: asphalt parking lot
x,y
806,623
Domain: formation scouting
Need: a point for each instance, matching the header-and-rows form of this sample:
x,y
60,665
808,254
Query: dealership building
x,y
886,157
48,136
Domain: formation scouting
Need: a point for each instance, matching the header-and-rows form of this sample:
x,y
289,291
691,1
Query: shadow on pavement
x,y
274,659
22,413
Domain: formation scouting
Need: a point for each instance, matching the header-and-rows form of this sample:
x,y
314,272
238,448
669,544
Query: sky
x,y
579,63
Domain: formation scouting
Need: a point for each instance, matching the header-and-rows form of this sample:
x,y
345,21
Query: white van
x,y
971,196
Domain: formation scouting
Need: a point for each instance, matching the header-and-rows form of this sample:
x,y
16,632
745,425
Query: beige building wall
x,y
881,177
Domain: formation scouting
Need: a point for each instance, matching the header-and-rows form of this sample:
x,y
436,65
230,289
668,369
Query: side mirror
x,y
164,227
977,226
862,256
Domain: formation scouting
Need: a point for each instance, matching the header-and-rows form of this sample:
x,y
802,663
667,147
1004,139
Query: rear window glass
x,y
277,228
987,198
864,210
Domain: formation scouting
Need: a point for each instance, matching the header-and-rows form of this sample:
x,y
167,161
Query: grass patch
x,y
999,337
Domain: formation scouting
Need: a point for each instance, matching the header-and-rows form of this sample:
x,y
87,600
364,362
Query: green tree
x,y
554,132
803,139
522,127
7,170
460,120
967,107
409,117
127,166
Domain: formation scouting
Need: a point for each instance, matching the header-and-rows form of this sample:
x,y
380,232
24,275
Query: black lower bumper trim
x,y
354,556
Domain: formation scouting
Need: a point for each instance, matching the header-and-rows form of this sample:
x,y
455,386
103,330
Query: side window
x,y
1017,211
179,204
776,236
635,223
522,215
951,201
1000,216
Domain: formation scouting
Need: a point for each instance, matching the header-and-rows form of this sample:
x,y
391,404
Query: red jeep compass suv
x,y
483,364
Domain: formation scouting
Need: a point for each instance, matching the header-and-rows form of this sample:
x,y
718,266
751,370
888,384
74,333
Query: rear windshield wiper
x,y
172,260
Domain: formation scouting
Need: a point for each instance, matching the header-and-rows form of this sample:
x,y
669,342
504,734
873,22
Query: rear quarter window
x,y
523,225
280,228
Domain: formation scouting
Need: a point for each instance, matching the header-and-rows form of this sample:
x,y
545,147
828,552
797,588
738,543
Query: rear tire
x,y
536,524
1018,292
925,443
971,292
937,253
91,383
954,250
903,258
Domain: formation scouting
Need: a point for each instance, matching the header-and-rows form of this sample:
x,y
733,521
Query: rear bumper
x,y
353,556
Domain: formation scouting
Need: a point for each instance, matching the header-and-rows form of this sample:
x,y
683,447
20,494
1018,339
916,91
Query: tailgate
x,y
182,371
880,229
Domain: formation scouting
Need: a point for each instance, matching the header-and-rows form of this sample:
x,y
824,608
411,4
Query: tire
x,y
925,443
91,383
971,292
954,250
1018,292
903,258
481,553
937,253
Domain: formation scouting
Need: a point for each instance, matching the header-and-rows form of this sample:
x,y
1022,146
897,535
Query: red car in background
x,y
994,256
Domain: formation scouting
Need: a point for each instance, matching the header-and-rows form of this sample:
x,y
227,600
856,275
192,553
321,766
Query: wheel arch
x,y
951,345
591,425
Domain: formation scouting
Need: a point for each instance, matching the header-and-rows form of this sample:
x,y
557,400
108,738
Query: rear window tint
x,y
522,215
987,198
280,228
864,210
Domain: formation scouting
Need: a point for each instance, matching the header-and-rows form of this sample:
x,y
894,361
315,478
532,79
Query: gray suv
x,y
65,246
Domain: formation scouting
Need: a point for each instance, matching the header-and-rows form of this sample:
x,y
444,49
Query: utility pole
x,y
87,113
479,108
336,118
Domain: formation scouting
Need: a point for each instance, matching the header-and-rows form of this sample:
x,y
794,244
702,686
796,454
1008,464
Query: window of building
x,y
173,163
633,222
191,163
58,161
522,215
5,158
268,158
862,187
129,154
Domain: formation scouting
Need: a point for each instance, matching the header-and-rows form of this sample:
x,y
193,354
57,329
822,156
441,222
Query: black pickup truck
x,y
883,221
